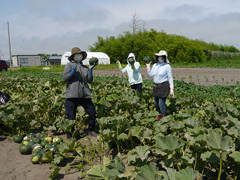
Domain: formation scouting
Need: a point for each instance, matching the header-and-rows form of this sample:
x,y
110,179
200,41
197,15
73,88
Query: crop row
x,y
199,137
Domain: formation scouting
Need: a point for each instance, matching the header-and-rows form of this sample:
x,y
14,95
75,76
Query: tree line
x,y
146,43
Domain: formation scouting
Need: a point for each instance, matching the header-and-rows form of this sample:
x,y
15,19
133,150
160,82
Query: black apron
x,y
161,90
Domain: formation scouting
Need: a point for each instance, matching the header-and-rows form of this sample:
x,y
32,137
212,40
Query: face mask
x,y
78,57
131,60
161,59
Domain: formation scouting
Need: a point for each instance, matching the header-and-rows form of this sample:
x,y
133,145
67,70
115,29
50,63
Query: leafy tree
x,y
146,43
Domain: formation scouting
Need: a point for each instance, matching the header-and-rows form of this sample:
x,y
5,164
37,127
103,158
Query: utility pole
x,y
10,54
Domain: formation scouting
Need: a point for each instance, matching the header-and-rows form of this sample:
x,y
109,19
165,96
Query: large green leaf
x,y
117,163
171,173
209,156
147,172
216,141
145,133
142,152
169,143
176,125
123,136
66,125
135,130
187,174
163,176
192,122
96,172
236,156
53,171
161,128
111,174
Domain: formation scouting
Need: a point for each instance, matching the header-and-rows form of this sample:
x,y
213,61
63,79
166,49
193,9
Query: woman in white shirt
x,y
163,81
133,71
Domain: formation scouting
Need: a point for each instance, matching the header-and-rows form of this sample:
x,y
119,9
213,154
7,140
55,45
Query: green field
x,y
198,138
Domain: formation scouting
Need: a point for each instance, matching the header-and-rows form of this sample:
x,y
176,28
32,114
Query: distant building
x,y
53,60
26,60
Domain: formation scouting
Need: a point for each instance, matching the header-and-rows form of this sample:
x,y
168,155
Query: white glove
x,y
119,64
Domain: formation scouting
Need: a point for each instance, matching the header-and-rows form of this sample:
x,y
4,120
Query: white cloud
x,y
56,26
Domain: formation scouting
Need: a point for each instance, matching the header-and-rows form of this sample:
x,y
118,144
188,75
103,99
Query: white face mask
x,y
160,59
78,57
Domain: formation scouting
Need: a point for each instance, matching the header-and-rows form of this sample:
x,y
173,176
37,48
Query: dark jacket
x,y
77,85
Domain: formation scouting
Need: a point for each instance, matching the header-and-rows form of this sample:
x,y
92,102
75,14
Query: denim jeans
x,y
160,105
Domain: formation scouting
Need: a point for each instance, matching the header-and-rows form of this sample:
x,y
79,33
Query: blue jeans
x,y
160,104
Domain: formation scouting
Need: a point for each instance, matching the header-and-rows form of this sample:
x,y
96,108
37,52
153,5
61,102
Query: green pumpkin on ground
x,y
36,145
18,138
48,139
36,158
44,143
24,149
36,140
42,135
25,142
47,157
58,139
36,150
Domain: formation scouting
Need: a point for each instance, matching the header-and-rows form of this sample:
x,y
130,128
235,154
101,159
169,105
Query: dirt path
x,y
14,166
199,76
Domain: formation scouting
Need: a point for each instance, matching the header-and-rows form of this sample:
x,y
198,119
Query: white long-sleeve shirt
x,y
134,75
161,73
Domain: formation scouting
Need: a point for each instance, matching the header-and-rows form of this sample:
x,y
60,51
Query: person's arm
x,y
69,72
90,72
123,70
170,79
149,70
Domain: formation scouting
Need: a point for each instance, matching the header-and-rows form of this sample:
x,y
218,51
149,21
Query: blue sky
x,y
55,26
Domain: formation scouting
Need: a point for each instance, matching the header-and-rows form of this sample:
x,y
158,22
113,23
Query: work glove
x,y
148,67
171,90
73,69
91,68
119,64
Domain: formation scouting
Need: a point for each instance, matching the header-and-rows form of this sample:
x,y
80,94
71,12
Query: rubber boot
x,y
159,117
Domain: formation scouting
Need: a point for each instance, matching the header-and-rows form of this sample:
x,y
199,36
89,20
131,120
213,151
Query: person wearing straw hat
x,y
133,71
4,98
77,76
163,81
